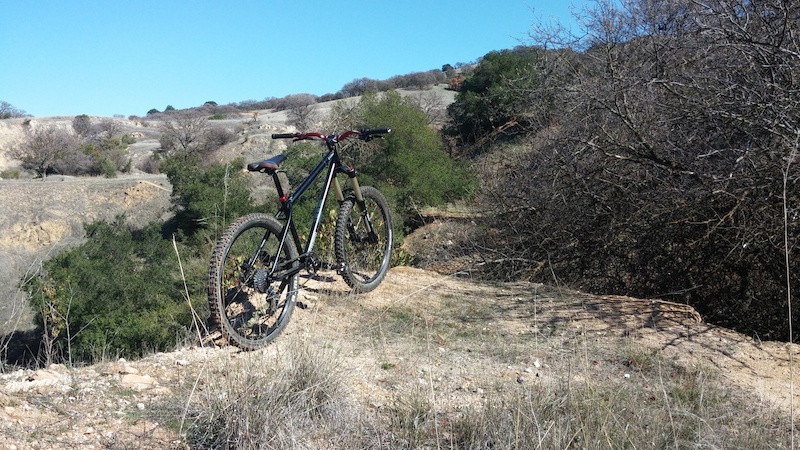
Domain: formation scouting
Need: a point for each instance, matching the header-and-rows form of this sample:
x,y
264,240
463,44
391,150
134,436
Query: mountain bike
x,y
253,276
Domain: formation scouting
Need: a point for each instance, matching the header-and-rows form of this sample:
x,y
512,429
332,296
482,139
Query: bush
x,y
117,294
107,156
409,165
47,149
672,177
205,198
121,292
10,174
498,97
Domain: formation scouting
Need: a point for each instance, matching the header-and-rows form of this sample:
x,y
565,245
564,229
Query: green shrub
x,y
205,198
106,156
118,293
121,292
498,96
409,165
10,174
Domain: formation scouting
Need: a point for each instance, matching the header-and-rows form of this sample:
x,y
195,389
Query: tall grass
x,y
686,409
295,399
298,392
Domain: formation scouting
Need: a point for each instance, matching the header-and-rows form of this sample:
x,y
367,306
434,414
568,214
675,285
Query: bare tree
x,y
45,148
432,105
663,170
109,127
301,111
184,132
7,111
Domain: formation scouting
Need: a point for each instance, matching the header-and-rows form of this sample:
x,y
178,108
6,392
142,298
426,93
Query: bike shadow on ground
x,y
324,284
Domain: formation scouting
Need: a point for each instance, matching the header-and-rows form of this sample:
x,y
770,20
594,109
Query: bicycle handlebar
x,y
366,135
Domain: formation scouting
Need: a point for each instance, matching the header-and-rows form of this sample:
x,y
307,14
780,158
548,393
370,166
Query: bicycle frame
x,y
334,166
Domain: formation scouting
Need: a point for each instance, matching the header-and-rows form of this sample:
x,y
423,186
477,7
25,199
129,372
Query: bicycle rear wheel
x,y
363,240
250,306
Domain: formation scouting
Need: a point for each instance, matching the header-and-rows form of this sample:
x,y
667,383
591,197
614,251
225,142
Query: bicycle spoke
x,y
251,307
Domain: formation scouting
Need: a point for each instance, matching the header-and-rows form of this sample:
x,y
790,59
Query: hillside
x,y
455,342
415,357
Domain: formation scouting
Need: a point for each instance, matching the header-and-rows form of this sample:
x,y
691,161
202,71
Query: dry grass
x,y
439,369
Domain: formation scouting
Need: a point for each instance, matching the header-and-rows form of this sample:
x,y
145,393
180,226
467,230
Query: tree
x,y
82,125
301,111
359,86
185,132
118,293
667,170
44,148
109,127
496,98
205,196
409,164
8,111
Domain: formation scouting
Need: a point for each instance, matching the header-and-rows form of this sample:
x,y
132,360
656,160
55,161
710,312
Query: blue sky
x,y
109,57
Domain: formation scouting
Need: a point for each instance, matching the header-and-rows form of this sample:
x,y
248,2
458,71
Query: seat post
x,y
282,194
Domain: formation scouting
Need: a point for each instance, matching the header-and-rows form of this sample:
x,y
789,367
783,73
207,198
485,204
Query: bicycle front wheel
x,y
249,301
363,240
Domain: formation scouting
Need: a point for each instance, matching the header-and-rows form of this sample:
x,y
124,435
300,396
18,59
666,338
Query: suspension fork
x,y
352,176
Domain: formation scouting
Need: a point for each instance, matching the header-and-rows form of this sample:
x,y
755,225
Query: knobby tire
x,y
251,308
364,257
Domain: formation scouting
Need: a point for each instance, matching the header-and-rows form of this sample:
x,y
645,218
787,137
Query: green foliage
x,y
409,165
120,292
108,156
10,174
496,95
205,197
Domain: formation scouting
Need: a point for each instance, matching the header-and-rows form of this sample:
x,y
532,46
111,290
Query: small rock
x,y
127,369
137,382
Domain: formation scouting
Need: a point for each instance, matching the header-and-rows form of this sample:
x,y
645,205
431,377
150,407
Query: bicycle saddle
x,y
268,166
